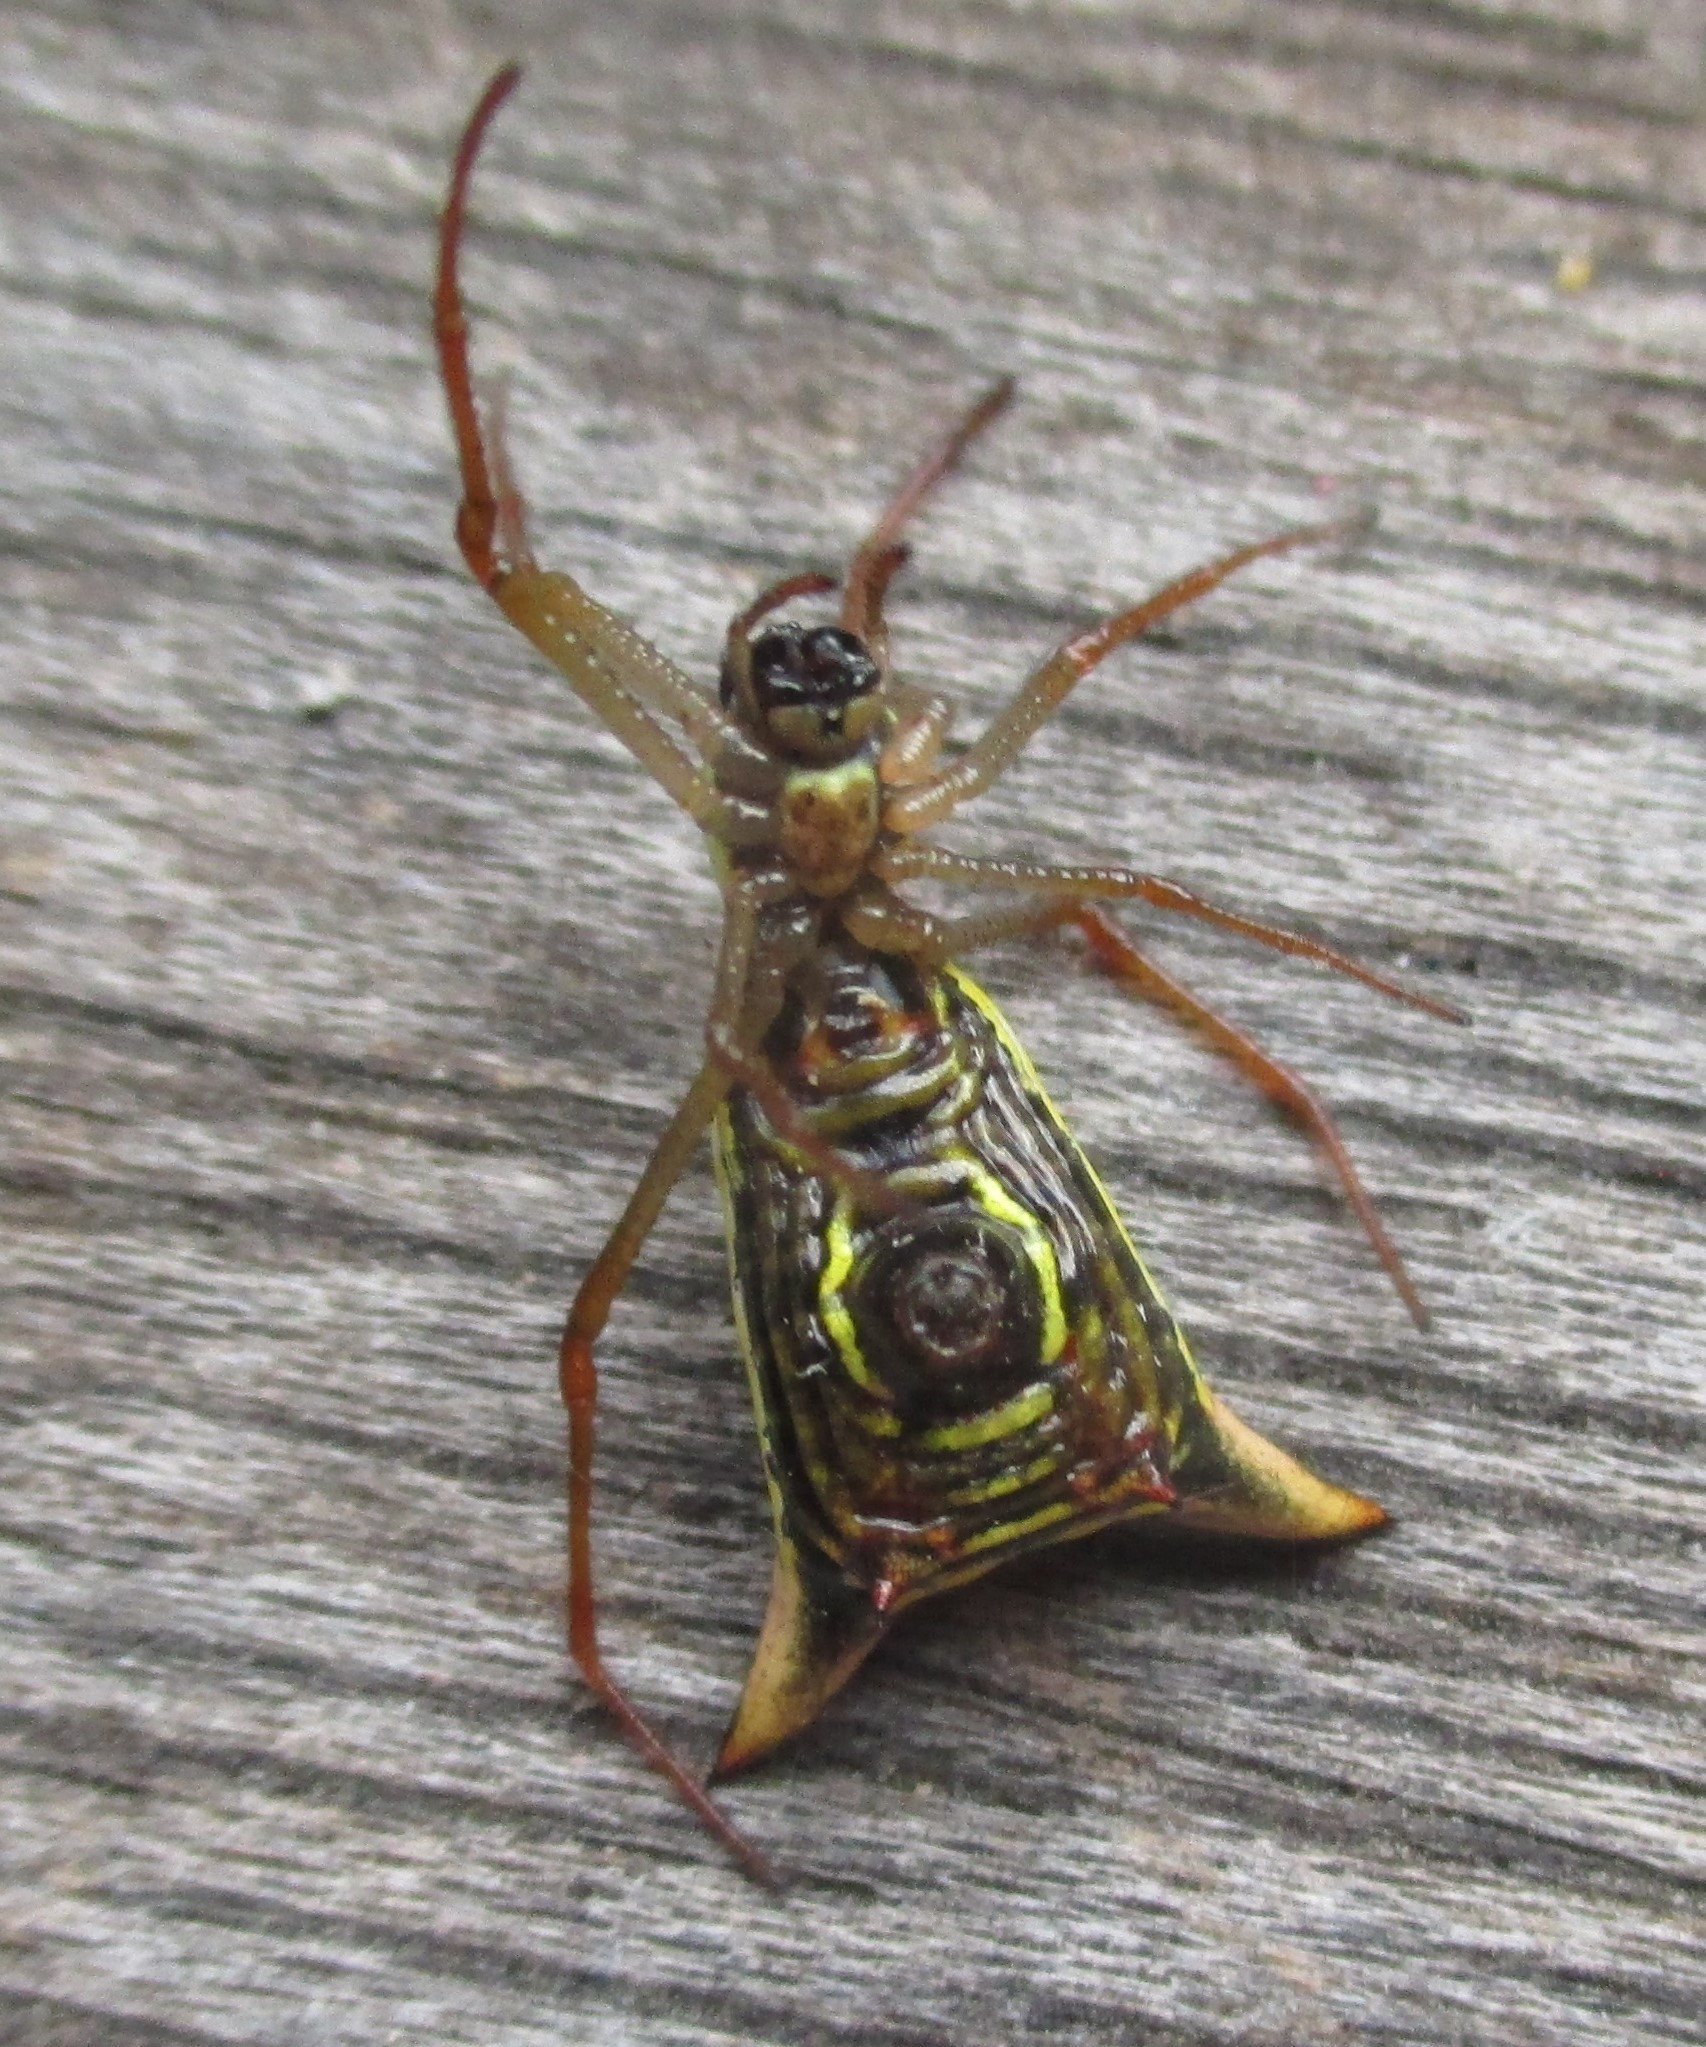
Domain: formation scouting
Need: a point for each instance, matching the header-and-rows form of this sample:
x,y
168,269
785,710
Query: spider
x,y
816,772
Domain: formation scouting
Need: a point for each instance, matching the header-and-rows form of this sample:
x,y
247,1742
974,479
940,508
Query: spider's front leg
x,y
915,809
672,728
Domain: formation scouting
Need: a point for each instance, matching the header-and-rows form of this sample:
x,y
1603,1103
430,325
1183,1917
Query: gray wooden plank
x,y
347,973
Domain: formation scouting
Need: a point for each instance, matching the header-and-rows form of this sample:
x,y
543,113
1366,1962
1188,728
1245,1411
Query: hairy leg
x,y
640,695
934,863
887,923
1046,688
578,1378
877,556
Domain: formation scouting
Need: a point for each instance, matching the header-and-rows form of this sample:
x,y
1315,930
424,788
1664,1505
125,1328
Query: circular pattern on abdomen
x,y
948,1310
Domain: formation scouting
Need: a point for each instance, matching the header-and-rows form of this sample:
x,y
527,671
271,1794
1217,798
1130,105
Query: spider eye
x,y
818,667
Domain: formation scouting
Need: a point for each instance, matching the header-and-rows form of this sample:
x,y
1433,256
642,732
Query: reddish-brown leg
x,y
883,572
578,1376
877,557
1046,688
477,520
805,583
1115,953
890,923
914,860
510,507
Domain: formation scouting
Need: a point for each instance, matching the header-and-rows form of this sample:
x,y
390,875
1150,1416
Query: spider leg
x,y
876,634
578,1377
750,983
806,583
933,863
876,557
640,695
509,507
1116,954
1041,694
886,922
477,516
921,725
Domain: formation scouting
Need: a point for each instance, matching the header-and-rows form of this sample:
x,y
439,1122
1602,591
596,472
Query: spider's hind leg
x,y
886,921
1116,955
578,1377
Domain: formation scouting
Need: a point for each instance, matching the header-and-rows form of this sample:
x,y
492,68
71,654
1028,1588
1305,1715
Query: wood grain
x,y
348,972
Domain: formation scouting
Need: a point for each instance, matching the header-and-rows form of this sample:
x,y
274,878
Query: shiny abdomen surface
x,y
984,1368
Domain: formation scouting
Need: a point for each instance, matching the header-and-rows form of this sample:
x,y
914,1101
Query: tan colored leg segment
x,y
995,749
933,863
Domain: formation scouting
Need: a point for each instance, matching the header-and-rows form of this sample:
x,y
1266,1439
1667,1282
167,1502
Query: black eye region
x,y
820,666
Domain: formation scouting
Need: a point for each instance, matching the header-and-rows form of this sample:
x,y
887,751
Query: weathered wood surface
x,y
348,973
